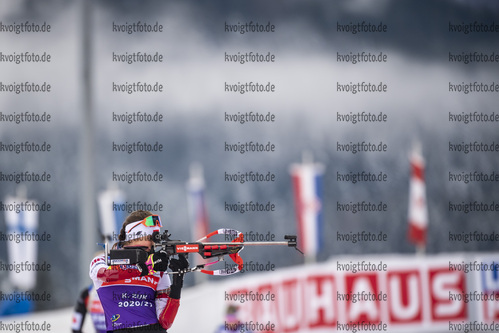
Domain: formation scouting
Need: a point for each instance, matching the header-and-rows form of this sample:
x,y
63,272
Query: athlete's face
x,y
147,245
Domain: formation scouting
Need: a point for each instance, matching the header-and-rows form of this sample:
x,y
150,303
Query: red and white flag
x,y
418,211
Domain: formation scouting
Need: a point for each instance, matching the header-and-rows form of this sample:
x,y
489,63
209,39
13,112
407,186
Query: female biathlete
x,y
139,298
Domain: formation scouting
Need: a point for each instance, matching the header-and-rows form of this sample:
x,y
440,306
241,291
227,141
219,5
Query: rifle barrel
x,y
246,243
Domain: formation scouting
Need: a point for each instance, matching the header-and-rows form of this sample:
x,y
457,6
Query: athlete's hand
x,y
178,265
156,262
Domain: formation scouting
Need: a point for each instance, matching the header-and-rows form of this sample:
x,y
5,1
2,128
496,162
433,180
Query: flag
x,y
418,212
25,223
307,179
112,213
196,203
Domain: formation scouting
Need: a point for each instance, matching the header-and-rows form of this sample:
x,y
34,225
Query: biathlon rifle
x,y
207,250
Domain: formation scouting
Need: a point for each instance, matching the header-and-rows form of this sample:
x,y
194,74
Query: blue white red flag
x,y
22,224
307,179
196,203
112,211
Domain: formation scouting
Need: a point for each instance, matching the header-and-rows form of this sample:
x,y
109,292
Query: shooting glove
x,y
156,262
176,265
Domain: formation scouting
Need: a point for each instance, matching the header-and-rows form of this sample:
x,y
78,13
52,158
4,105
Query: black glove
x,y
177,265
156,262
